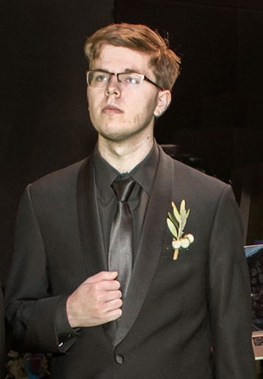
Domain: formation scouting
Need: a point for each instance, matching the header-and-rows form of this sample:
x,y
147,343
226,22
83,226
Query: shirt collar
x,y
143,173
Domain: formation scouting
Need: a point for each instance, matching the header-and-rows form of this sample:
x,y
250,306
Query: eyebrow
x,y
127,70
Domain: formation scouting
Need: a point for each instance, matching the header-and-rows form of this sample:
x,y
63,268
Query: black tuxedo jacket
x,y
175,313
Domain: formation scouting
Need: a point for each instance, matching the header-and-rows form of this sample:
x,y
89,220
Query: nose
x,y
113,86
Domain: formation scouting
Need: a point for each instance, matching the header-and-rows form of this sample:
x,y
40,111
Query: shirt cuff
x,y
66,334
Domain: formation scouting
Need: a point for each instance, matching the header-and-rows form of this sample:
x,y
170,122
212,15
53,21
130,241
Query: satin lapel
x,y
89,223
150,246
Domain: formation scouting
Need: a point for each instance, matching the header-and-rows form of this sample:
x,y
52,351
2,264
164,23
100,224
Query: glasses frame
x,y
143,77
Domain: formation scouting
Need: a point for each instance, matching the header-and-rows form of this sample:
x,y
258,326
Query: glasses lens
x,y
131,79
98,78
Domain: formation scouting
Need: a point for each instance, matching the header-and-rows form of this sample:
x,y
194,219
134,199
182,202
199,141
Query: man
x,y
183,309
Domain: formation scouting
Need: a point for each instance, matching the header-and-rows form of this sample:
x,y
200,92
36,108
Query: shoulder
x,y
58,181
190,183
185,173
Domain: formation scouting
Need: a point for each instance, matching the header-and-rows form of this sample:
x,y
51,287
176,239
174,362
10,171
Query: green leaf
x,y
172,228
184,216
176,213
182,207
173,219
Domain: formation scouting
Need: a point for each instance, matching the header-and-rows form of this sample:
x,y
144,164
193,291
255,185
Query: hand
x,y
96,301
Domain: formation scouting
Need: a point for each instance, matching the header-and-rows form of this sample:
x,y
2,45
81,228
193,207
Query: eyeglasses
x,y
100,78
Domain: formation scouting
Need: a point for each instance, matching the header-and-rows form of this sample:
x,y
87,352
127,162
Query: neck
x,y
124,156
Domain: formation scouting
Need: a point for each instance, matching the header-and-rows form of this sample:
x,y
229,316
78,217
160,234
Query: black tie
x,y
120,250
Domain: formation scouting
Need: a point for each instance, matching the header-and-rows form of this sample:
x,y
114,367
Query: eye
x,y
99,77
132,79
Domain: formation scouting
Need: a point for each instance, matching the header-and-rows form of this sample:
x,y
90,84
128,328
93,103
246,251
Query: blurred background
x,y
215,122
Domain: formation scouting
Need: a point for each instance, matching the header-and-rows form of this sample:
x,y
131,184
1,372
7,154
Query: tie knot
x,y
123,188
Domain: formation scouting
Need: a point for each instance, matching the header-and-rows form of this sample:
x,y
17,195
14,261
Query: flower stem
x,y
176,252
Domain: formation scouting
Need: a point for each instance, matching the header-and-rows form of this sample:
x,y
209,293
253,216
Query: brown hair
x,y
165,63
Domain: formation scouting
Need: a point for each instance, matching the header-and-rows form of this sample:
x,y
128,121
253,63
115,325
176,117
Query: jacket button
x,y
119,359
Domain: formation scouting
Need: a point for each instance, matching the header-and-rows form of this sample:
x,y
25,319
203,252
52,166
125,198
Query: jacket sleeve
x,y
32,313
229,294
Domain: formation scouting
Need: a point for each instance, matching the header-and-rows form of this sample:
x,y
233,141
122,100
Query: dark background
x,y
215,120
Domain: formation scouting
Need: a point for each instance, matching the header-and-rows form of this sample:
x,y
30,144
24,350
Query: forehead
x,y
119,59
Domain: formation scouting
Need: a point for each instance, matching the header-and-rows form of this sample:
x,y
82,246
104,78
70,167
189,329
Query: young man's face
x,y
120,112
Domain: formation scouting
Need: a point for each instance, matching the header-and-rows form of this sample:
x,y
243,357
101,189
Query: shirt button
x,y
119,359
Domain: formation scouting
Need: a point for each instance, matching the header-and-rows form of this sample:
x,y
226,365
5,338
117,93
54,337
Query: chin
x,y
115,137
114,134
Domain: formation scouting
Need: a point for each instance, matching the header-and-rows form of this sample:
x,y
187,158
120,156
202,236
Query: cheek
x,y
134,120
145,110
93,98
93,105
140,119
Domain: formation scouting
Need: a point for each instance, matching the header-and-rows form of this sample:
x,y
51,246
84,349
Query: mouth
x,y
111,109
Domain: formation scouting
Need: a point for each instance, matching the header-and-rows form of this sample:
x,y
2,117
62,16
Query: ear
x,y
163,102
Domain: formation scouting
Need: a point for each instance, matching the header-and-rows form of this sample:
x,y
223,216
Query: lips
x,y
111,109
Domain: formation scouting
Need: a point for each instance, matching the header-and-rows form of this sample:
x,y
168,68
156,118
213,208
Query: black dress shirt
x,y
105,174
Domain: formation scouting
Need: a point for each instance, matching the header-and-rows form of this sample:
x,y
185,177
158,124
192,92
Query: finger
x,y
104,296
103,311
103,285
113,304
113,308
103,275
114,315
112,295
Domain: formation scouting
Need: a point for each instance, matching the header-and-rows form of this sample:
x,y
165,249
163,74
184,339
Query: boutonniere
x,y
176,222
